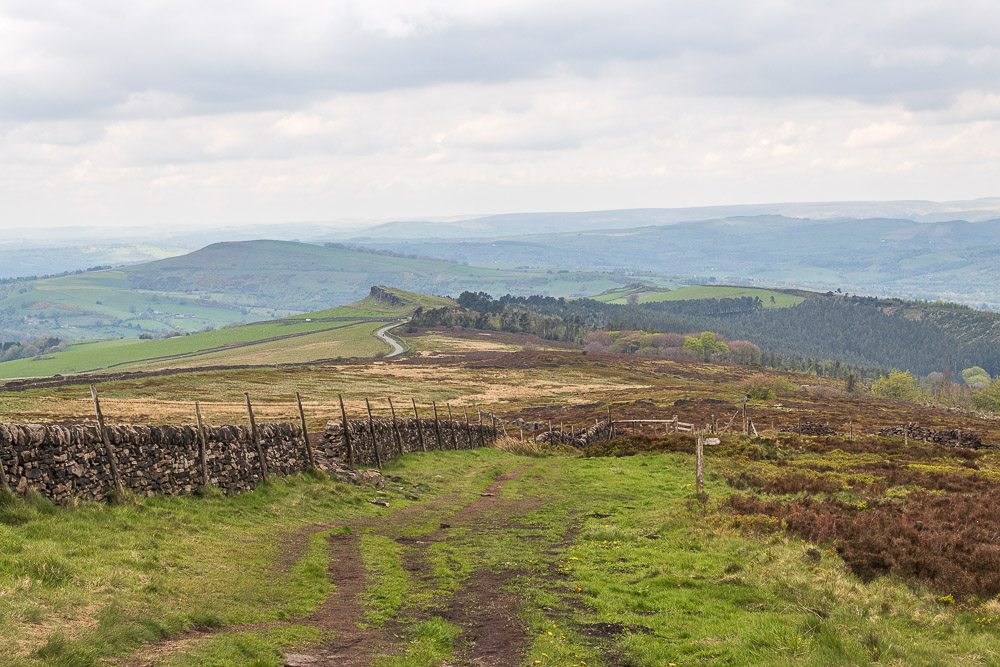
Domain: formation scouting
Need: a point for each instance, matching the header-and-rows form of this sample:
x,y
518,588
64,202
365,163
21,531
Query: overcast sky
x,y
138,112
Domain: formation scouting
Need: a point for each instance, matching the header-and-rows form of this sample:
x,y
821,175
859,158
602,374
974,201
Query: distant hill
x,y
509,224
248,281
953,260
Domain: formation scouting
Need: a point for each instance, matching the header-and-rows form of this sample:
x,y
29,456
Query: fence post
x,y
420,429
852,430
611,425
255,434
468,428
347,432
699,473
713,424
371,432
305,432
109,451
437,425
395,427
451,427
906,434
202,446
675,423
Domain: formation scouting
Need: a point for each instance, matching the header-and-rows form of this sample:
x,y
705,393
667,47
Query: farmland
x,y
337,332
647,294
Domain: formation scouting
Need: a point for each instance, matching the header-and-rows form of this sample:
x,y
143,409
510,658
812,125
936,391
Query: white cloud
x,y
265,110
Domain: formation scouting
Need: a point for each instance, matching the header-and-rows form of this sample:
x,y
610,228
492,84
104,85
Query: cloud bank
x,y
154,113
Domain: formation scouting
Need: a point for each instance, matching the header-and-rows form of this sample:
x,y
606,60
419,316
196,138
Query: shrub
x,y
762,387
898,385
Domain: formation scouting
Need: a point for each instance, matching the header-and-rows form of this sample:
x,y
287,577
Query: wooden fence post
x,y
699,472
675,423
371,432
305,432
437,426
468,429
420,429
611,425
852,430
746,427
395,427
451,427
109,451
347,432
202,446
255,434
906,434
713,424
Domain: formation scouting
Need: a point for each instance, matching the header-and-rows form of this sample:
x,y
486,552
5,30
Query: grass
x,y
646,294
607,559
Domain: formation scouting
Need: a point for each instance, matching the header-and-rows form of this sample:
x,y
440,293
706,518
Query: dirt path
x,y
491,633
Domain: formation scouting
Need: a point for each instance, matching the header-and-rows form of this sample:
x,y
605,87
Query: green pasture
x,y
695,292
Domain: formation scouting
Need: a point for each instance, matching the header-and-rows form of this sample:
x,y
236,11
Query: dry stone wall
x,y
951,437
66,462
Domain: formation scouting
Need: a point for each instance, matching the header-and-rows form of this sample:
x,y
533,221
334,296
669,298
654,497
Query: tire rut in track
x,y
485,611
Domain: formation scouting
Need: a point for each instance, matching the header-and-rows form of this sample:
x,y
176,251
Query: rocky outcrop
x,y
382,295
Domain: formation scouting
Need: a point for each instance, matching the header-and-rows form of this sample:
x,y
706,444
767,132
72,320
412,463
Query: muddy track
x,y
492,635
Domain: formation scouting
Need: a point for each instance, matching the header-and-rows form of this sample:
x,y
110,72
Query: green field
x,y
646,294
332,333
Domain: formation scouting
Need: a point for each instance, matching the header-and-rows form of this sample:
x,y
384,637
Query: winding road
x,y
383,333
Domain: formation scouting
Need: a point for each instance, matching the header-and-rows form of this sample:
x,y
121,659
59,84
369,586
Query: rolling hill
x,y
248,281
347,331
951,260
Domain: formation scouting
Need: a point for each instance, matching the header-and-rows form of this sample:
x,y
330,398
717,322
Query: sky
x,y
150,114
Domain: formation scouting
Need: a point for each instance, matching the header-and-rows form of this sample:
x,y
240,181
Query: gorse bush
x,y
898,385
762,387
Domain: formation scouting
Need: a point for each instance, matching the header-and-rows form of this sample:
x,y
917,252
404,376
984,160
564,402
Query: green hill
x,y
249,281
647,294
347,331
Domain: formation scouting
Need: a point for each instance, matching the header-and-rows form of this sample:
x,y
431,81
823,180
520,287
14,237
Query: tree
x,y
976,377
706,346
988,398
899,385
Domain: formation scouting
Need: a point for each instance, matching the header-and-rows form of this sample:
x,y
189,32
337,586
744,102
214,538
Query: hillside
x,y
950,260
347,331
819,333
249,281
642,293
